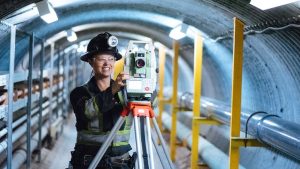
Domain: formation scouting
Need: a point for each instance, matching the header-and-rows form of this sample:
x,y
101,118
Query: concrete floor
x,y
59,156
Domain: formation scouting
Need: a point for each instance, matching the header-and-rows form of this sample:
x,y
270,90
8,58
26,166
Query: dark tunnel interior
x,y
271,56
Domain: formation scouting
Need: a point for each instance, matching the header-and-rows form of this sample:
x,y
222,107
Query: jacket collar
x,y
92,85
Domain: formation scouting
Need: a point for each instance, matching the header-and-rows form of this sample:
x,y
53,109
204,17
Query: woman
x,y
97,108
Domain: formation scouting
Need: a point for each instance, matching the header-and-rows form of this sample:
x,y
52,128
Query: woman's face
x,y
103,65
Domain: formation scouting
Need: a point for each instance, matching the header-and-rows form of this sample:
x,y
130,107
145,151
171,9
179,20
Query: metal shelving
x,y
22,76
32,100
21,103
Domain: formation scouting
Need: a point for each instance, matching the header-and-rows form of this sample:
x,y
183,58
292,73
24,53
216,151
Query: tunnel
x,y
40,66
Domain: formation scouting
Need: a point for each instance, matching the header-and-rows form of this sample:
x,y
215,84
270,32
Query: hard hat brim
x,y
90,55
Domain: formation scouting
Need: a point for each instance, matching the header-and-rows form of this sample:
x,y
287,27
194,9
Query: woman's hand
x,y
119,82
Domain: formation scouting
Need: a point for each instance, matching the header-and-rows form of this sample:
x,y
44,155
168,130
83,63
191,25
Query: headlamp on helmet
x,y
102,43
112,41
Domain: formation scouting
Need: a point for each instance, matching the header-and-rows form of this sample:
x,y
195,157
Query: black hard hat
x,y
102,43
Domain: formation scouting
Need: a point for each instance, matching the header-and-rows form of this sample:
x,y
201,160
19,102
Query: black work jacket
x,y
109,105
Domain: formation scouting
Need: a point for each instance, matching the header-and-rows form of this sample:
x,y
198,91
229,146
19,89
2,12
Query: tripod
x,y
138,109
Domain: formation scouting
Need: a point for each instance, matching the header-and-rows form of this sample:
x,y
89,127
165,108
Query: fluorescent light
x,y
71,36
81,49
267,4
179,31
50,17
22,15
46,11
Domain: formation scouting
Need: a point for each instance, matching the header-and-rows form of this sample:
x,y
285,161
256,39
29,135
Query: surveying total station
x,y
139,92
140,64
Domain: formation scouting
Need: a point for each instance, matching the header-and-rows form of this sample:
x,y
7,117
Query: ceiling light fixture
x,y
46,11
267,4
179,31
71,35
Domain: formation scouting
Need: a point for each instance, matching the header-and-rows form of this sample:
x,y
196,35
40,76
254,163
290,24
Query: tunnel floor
x,y
59,155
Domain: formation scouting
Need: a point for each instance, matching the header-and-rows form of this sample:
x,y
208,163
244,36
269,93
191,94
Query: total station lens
x,y
140,63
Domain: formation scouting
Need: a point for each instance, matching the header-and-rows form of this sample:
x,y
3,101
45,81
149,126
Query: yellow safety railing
x,y
236,92
161,77
235,141
197,95
197,120
174,101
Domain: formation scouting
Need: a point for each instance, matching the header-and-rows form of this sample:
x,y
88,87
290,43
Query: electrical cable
x,y
248,119
272,28
257,31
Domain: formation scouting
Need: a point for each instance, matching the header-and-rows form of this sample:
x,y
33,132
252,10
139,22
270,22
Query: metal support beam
x,y
182,109
28,110
204,120
166,101
41,100
58,76
198,52
161,103
241,142
236,95
174,100
77,70
10,95
66,82
51,81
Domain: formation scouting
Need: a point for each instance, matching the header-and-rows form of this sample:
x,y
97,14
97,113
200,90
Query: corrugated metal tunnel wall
x,y
271,72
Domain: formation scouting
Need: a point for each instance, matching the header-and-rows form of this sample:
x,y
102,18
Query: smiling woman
x,y
97,107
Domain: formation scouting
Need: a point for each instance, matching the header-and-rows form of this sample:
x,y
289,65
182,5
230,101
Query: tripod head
x,y
138,109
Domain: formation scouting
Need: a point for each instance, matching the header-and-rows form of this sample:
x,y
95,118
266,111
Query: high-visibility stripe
x,y
122,132
120,96
97,144
128,122
90,109
120,144
84,137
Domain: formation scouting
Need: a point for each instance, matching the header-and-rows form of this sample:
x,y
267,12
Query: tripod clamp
x,y
138,109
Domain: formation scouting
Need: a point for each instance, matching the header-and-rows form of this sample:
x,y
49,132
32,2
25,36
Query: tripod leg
x,y
163,143
159,154
106,144
149,142
138,142
144,143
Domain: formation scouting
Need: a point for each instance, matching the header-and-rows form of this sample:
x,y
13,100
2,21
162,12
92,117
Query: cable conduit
x,y
278,133
19,156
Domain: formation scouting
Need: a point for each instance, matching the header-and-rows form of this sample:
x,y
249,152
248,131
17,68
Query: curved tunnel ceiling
x,y
271,77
